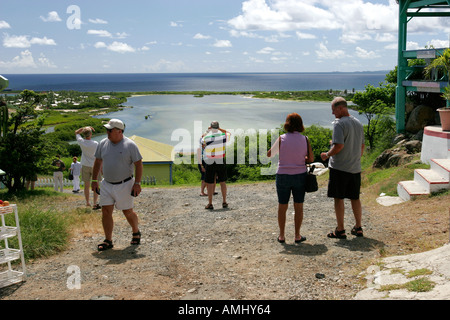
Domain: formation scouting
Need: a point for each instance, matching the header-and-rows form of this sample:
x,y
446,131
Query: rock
x,y
419,118
320,276
413,146
392,158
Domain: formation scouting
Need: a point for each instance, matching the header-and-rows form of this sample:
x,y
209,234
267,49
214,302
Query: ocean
x,y
179,120
220,82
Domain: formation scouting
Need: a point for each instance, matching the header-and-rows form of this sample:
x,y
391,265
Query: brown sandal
x,y
337,234
209,206
105,245
357,231
135,240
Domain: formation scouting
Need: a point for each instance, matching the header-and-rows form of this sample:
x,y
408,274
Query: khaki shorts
x,y
117,194
86,174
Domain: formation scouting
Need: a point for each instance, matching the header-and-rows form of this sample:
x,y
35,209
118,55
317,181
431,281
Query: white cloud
x,y
385,37
121,35
43,41
237,34
256,60
324,54
200,36
354,37
98,21
175,24
166,66
52,16
4,25
282,15
411,45
302,35
16,41
223,44
100,44
438,43
266,50
45,62
26,60
107,34
24,42
358,20
364,54
100,33
257,15
118,47
392,46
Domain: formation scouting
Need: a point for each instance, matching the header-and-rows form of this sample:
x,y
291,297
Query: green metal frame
x,y
409,9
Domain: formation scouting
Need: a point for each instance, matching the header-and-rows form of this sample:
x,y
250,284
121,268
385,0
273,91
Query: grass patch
x,y
48,221
419,272
386,180
419,285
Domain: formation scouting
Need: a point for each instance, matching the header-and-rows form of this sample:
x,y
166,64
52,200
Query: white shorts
x,y
117,194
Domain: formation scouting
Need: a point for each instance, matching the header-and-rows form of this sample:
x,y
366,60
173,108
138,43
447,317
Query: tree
x,y
22,145
375,103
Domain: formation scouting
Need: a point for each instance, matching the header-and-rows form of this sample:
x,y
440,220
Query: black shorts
x,y
216,170
344,184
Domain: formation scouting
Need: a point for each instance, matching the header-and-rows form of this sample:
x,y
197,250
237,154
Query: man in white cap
x,y
119,157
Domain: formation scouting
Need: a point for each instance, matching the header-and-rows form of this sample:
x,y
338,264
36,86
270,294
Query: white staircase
x,y
427,181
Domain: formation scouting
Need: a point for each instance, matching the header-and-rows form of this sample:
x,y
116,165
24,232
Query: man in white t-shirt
x,y
88,147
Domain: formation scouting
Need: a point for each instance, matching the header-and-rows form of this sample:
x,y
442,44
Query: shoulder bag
x,y
311,179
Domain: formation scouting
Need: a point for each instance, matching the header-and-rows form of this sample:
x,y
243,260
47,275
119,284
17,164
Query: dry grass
x,y
414,226
410,227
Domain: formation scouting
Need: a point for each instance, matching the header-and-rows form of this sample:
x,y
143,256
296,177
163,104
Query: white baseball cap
x,y
115,123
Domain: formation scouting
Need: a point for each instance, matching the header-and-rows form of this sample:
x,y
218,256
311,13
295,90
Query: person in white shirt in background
x,y
75,170
88,147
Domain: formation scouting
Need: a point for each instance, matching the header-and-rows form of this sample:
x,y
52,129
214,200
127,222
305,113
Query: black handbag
x,y
70,176
311,179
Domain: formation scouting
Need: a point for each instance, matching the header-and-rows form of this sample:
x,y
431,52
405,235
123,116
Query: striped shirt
x,y
215,147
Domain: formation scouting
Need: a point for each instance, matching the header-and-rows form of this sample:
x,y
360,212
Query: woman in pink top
x,y
294,152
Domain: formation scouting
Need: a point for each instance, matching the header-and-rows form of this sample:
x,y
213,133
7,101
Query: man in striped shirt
x,y
215,140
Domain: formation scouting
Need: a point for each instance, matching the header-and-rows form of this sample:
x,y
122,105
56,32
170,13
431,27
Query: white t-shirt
x,y
88,148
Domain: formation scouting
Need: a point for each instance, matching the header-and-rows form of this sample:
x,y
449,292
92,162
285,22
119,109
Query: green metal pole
x,y
400,94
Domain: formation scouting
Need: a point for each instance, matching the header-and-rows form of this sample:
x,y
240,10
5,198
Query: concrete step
x,y
441,166
430,180
407,190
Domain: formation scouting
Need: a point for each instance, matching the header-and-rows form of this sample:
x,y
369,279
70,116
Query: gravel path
x,y
188,252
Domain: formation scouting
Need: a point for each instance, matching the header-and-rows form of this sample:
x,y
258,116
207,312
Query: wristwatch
x,y
137,183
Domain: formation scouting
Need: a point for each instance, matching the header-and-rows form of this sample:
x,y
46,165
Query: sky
x,y
179,36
